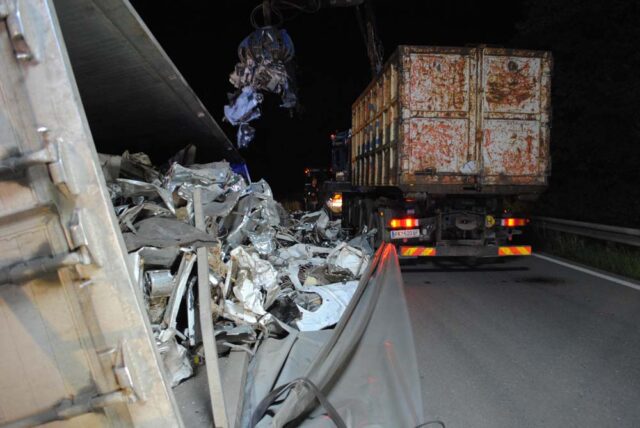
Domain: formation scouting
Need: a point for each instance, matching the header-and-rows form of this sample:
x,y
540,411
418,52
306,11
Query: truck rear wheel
x,y
375,221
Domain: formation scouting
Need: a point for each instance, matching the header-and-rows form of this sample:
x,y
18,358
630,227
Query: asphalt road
x,y
525,344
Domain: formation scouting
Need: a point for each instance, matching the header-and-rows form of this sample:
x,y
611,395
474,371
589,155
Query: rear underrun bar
x,y
520,250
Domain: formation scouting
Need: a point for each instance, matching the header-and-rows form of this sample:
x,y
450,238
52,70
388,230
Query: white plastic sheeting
x,y
366,367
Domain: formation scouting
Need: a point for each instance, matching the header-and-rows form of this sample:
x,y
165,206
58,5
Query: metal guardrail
x,y
622,235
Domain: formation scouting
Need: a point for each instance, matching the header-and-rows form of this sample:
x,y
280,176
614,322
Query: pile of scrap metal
x,y
269,271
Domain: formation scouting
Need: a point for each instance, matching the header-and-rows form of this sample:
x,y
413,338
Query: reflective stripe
x,y
426,251
407,251
505,251
417,251
515,251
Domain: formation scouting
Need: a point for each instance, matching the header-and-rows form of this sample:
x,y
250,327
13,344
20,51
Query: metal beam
x,y
214,380
621,235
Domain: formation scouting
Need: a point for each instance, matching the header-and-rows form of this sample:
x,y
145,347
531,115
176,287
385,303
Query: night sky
x,y
596,100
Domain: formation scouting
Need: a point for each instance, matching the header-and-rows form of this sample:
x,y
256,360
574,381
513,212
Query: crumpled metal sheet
x,y
293,269
229,336
298,252
159,257
177,293
257,213
260,277
268,206
221,209
110,165
209,193
249,295
200,174
345,257
263,242
133,188
245,107
335,298
239,314
135,166
318,227
363,242
131,213
327,228
176,361
166,232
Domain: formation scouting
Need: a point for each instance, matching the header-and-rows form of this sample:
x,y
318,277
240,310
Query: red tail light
x,y
514,222
404,223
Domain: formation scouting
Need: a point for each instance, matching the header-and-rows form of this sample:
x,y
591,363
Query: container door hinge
x,y
126,375
50,156
24,271
80,255
78,236
11,12
69,408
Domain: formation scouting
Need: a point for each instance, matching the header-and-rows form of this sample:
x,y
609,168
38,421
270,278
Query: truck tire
x,y
378,222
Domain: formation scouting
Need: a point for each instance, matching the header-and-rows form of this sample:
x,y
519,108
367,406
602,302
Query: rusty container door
x,y
514,117
438,115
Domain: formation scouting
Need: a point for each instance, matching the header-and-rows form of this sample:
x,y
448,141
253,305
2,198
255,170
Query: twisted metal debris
x,y
270,271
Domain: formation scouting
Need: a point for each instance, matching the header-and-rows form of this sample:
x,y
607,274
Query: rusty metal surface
x,y
432,149
511,84
510,148
474,117
515,117
438,83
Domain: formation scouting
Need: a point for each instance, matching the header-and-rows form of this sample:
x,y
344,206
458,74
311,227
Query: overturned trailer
x,y
77,343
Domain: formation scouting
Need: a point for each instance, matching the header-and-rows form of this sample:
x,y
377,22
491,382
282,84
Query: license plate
x,y
402,234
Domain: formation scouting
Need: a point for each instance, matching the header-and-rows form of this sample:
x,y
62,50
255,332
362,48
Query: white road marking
x,y
635,286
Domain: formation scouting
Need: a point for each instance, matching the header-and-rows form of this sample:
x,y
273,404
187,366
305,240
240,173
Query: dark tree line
x,y
596,106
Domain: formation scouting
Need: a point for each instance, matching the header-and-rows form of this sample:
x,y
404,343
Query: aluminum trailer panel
x,y
455,120
75,344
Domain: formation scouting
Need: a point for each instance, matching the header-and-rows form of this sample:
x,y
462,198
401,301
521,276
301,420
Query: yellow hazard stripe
x,y
407,251
524,250
417,251
426,251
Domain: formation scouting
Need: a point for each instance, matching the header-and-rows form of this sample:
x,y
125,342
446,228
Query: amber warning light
x,y
514,222
403,223
335,203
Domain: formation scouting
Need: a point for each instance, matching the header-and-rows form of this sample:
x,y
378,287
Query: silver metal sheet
x,y
79,333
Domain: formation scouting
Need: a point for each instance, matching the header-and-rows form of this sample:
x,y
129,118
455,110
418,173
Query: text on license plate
x,y
402,234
